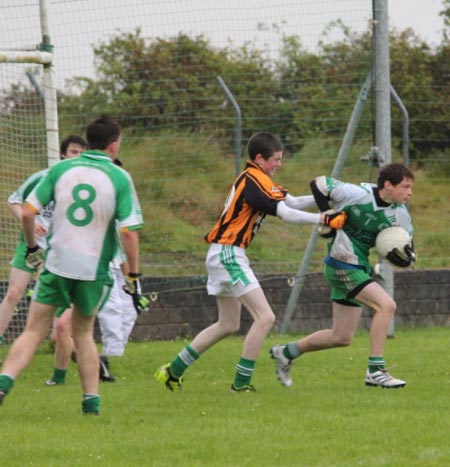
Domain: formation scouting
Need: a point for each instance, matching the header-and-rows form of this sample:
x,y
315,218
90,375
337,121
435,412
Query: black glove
x,y
335,220
34,257
402,259
326,232
133,287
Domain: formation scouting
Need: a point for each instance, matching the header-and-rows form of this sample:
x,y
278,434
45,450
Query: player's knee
x,y
63,329
267,321
392,307
343,341
388,306
14,294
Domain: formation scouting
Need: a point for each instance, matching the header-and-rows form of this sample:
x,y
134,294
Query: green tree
x,y
322,87
170,85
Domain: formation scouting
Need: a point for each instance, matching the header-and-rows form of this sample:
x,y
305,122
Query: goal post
x,y
29,139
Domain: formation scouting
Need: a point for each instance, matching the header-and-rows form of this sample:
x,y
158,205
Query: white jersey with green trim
x,y
90,195
367,213
45,216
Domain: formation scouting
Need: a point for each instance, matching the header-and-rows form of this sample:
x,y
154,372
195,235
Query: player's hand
x,y
335,220
34,257
133,287
402,259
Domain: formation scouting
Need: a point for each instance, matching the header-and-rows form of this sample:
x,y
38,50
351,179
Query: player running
x,y
370,209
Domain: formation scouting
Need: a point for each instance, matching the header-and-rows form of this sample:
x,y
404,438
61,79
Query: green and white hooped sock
x,y
376,364
244,372
182,361
59,375
91,403
6,383
291,351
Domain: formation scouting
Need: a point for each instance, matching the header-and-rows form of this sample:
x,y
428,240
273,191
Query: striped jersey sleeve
x,y
251,198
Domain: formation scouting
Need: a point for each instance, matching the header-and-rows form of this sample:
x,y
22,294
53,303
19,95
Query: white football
x,y
390,238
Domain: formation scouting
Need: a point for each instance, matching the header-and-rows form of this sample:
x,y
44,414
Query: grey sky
x,y
75,25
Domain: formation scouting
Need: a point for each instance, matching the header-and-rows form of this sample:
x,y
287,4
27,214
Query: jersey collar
x,y
253,165
97,155
378,199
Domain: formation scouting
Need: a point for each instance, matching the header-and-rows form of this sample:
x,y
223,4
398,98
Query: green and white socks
x,y
291,351
91,404
376,364
59,376
182,361
6,383
244,372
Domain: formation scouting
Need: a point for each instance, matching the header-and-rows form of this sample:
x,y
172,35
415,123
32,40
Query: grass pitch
x,y
327,418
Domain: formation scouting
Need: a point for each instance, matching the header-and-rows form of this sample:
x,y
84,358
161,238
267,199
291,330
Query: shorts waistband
x,y
336,264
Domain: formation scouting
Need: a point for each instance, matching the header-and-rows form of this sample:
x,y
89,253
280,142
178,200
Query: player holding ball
x,y
370,209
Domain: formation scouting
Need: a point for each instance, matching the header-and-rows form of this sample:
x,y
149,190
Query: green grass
x,y
327,418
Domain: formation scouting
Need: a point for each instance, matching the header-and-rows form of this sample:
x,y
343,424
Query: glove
x,y
34,257
133,287
335,220
402,259
326,232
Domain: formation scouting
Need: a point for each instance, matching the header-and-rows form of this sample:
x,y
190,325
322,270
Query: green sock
x,y
244,372
184,359
6,383
91,404
1,340
59,375
376,364
291,351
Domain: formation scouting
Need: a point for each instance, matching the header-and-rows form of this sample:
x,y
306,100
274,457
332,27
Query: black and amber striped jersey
x,y
252,196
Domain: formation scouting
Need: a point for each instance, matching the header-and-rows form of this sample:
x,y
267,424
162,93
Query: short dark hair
x,y
101,132
72,139
263,143
394,173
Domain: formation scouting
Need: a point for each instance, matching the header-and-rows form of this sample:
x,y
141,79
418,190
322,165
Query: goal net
x,y
23,151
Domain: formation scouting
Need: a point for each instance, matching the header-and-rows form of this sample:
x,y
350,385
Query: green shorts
x,y
346,284
87,296
59,311
18,260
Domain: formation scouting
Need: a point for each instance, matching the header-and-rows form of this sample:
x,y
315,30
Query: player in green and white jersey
x,y
90,194
370,209
21,274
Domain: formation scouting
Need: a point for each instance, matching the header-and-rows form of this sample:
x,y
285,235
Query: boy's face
x,y
399,193
73,150
271,164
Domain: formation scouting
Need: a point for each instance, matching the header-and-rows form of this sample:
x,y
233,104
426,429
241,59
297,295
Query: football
x,y
390,238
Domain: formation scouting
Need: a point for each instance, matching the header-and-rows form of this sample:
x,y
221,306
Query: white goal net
x,y
23,151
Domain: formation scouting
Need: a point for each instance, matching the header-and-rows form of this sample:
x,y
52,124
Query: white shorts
x,y
116,318
229,272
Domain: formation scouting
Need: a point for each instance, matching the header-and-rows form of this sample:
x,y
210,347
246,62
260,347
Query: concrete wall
x,y
183,308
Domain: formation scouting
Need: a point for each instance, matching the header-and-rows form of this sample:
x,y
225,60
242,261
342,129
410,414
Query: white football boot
x,y
383,379
283,369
